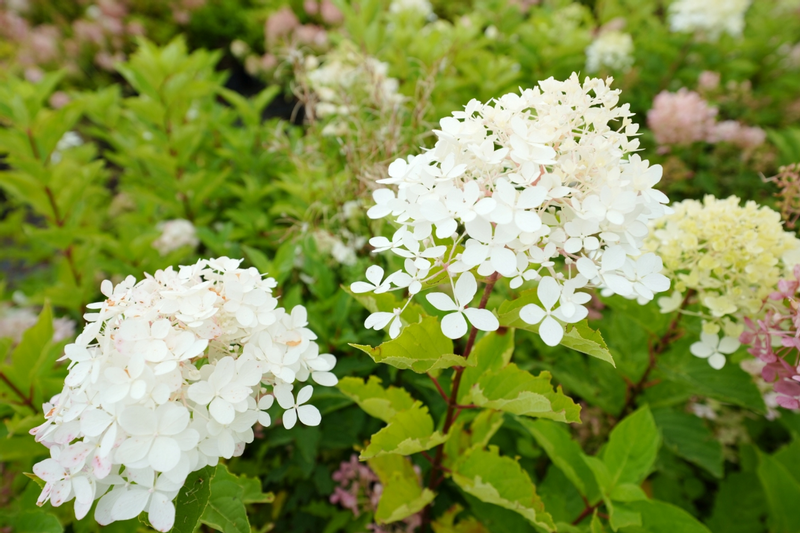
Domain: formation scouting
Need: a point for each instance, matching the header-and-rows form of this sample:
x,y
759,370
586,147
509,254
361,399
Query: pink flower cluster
x,y
775,340
684,117
104,30
359,490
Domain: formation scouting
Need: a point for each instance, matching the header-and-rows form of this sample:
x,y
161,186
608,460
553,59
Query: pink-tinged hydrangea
x,y
169,375
774,338
509,188
680,118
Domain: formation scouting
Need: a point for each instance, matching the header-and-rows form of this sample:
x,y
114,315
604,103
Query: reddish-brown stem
x,y
26,400
439,387
453,408
589,509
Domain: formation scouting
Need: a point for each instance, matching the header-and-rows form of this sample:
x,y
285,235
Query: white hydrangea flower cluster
x,y
509,187
709,17
175,234
169,375
347,81
611,49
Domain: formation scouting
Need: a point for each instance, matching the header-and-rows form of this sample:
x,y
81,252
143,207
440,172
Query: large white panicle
x,y
169,375
511,186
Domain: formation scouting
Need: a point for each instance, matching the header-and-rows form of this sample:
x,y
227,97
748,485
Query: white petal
x,y
361,287
102,513
138,420
549,291
289,418
309,415
551,331
266,401
304,394
49,470
172,418
326,379
465,289
133,450
701,349
482,319
716,361
441,301
164,454
375,274
161,513
454,325
222,411
284,396
130,504
728,345
532,314
201,392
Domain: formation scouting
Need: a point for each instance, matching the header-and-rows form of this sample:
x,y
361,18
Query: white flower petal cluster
x,y
347,81
175,234
612,50
510,187
714,349
709,17
169,375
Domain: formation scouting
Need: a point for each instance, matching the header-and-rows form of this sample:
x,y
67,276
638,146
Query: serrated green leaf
x,y
501,481
579,337
782,491
565,453
408,432
402,497
632,449
421,347
193,499
661,517
374,399
225,510
519,392
687,436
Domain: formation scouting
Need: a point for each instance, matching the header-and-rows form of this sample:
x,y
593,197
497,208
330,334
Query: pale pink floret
x,y
680,118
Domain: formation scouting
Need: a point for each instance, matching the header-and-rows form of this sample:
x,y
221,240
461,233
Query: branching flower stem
x,y
453,408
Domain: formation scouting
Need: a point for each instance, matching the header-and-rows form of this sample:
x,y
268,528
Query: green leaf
x,y
620,516
661,517
688,437
578,336
729,384
225,510
565,453
421,347
501,481
783,494
492,352
632,449
402,497
374,399
409,432
627,492
403,494
446,523
739,505
596,526
27,356
193,499
519,392
37,521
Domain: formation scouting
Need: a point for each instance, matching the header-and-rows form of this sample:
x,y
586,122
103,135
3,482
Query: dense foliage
x,y
475,236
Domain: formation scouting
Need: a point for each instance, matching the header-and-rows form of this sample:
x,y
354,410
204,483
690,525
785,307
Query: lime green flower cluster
x,y
731,255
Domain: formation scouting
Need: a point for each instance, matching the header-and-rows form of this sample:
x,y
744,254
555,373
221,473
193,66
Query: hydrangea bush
x,y
550,345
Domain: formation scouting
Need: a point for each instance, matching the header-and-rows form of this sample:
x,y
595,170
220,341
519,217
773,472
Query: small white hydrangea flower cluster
x,y
709,17
175,234
170,375
612,50
348,81
509,187
422,7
